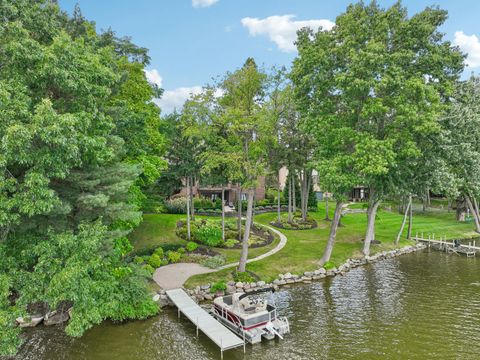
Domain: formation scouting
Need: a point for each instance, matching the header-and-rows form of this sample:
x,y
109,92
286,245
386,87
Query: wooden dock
x,y
451,247
218,333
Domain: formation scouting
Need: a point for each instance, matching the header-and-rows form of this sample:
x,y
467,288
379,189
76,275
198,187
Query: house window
x,y
214,197
244,197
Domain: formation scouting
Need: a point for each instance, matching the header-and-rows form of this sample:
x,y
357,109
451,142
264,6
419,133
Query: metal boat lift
x,y
218,333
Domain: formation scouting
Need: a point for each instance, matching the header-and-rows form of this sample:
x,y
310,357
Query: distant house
x,y
231,192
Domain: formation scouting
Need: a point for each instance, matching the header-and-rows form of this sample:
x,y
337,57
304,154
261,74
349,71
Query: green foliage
x,y
149,268
213,262
173,256
218,286
154,260
191,246
329,265
176,206
159,252
230,243
209,235
181,250
138,260
244,277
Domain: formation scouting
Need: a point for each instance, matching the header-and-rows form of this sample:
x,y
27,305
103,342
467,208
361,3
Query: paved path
x,y
173,276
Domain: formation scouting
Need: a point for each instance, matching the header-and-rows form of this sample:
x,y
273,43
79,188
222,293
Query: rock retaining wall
x,y
202,293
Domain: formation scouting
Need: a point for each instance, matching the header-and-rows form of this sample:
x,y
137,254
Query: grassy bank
x,y
304,248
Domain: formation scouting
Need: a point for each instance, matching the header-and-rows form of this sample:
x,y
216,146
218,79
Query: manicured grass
x,y
159,229
305,247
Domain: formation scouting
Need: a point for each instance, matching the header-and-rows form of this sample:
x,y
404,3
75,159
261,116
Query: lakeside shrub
x,y
244,277
154,260
191,246
329,265
218,286
213,262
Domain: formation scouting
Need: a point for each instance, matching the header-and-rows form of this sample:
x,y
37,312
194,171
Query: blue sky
x,y
193,41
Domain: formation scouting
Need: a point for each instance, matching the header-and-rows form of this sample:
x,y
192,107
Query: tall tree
x,y
383,78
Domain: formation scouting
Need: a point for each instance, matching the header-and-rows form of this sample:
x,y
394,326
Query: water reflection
x,y
419,306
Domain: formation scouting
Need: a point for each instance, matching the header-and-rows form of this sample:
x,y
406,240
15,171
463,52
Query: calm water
x,y
419,306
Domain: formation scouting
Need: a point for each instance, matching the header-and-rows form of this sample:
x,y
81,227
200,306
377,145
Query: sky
x,y
192,42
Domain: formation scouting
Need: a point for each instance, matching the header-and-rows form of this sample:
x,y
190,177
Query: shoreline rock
x,y
202,293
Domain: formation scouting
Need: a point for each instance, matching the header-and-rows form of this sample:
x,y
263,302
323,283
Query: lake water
x,y
424,305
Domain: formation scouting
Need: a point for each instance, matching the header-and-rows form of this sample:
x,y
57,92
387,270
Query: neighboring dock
x,y
451,247
219,334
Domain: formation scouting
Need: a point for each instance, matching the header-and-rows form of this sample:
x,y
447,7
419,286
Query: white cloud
x,y
203,3
282,29
174,99
469,44
154,77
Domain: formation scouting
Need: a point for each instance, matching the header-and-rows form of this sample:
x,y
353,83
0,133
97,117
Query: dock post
x,y
197,326
244,341
178,311
221,348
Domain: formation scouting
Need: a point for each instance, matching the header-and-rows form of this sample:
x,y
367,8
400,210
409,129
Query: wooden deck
x,y
219,334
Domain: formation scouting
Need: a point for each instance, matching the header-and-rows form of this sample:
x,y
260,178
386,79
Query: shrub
x,y
201,210
181,250
218,286
138,260
244,277
176,206
209,235
260,207
159,251
164,262
213,262
230,243
173,256
149,268
154,261
329,265
191,246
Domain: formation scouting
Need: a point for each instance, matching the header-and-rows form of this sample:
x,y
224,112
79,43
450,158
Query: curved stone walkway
x,y
173,276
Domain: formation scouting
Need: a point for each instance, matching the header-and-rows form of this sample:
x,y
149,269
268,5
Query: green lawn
x,y
305,247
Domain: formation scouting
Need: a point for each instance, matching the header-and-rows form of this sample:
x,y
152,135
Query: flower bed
x,y
209,232
297,222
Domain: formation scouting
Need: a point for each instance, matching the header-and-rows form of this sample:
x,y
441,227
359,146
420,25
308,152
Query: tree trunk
x,y
192,206
248,223
405,215
305,189
188,207
239,213
370,234
294,200
474,214
279,205
290,201
223,214
327,216
333,234
410,221
460,211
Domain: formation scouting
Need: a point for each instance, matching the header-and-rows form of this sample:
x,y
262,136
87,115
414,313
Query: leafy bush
x,y
138,260
177,205
191,246
149,268
173,256
181,250
260,207
213,262
244,277
201,210
230,243
218,286
164,262
154,261
329,265
209,235
159,251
